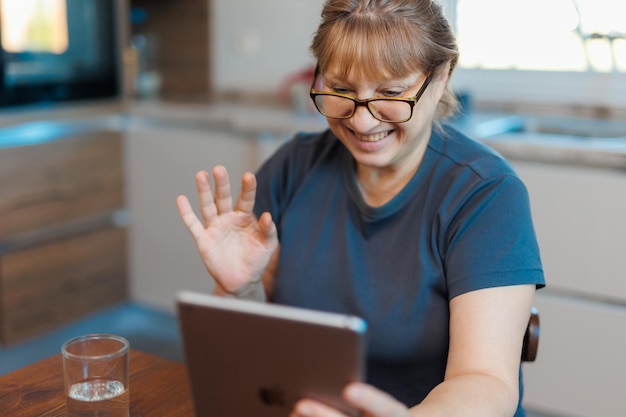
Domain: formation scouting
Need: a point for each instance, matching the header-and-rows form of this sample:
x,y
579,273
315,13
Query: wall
x,y
208,47
257,43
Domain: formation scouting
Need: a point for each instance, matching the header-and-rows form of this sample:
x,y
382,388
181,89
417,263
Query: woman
x,y
390,215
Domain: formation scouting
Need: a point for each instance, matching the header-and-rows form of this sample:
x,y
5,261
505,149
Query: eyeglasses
x,y
385,109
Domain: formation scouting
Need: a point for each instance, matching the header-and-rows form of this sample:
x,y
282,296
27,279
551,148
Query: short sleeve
x,y
490,241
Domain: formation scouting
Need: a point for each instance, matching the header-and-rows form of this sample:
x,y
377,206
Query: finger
x,y
374,401
267,227
189,218
223,199
310,408
205,195
245,201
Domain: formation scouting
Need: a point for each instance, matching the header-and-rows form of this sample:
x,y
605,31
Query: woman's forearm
x,y
471,395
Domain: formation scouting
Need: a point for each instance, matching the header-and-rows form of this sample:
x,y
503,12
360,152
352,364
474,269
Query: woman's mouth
x,y
375,137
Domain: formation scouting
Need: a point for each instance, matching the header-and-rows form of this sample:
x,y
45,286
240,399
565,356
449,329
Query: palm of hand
x,y
234,246
234,250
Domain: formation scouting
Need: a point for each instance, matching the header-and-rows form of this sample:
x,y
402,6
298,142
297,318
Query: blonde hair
x,y
378,39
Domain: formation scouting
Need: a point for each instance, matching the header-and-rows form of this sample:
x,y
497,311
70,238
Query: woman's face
x,y
382,145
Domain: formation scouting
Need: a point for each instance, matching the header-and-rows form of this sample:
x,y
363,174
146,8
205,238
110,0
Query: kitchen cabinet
x,y
62,255
59,280
580,219
176,35
55,182
162,160
580,368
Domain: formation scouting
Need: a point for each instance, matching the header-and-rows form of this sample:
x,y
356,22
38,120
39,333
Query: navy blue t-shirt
x,y
462,223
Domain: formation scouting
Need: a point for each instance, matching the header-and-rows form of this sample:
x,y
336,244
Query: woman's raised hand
x,y
235,247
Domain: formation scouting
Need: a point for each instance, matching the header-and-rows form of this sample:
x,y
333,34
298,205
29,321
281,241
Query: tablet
x,y
247,358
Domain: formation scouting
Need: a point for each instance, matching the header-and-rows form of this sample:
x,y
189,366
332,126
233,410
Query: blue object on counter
x,y
34,133
31,134
138,15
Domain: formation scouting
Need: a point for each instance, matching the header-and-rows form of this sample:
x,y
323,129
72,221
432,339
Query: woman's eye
x,y
390,93
340,90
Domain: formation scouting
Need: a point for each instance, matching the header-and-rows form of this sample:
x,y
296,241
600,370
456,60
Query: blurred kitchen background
x,y
109,107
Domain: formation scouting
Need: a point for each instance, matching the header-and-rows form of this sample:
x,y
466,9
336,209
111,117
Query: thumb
x,y
267,227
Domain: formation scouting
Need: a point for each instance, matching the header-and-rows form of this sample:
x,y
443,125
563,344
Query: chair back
x,y
531,337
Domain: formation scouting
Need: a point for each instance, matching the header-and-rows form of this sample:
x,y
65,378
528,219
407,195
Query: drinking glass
x,y
95,369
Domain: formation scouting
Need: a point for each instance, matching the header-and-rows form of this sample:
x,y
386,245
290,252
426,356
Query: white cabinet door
x,y
580,369
161,162
580,219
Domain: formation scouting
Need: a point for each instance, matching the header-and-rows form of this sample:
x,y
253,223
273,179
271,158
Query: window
x,y
34,26
549,51
58,50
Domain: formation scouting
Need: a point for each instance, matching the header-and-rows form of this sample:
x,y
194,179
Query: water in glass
x,y
98,398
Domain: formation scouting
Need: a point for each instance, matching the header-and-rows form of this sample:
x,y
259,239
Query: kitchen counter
x,y
502,132
607,153
491,128
88,110
241,118
569,141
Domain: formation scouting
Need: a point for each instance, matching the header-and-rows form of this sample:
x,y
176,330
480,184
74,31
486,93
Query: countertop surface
x,y
572,141
514,136
244,118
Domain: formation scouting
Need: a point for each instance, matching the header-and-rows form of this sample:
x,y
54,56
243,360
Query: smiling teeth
x,y
372,138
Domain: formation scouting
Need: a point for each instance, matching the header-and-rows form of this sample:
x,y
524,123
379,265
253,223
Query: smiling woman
x,y
393,216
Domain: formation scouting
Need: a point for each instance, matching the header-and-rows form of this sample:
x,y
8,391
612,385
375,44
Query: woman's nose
x,y
362,120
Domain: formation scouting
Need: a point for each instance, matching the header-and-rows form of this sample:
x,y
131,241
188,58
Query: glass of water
x,y
95,368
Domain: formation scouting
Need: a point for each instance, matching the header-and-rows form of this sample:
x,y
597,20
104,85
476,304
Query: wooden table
x,y
158,387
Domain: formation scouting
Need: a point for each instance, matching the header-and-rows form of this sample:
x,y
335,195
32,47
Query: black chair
x,y
531,337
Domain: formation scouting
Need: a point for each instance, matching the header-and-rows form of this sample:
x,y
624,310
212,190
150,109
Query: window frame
x,y
581,89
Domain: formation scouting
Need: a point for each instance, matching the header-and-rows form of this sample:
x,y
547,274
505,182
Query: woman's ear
x,y
444,72
441,80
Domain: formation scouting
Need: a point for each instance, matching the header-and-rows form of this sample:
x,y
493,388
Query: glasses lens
x,y
335,107
383,109
390,110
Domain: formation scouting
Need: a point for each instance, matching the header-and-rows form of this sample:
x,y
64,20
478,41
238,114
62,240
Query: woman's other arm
x,y
486,334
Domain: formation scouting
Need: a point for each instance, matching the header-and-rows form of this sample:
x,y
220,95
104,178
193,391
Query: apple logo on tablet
x,y
272,395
